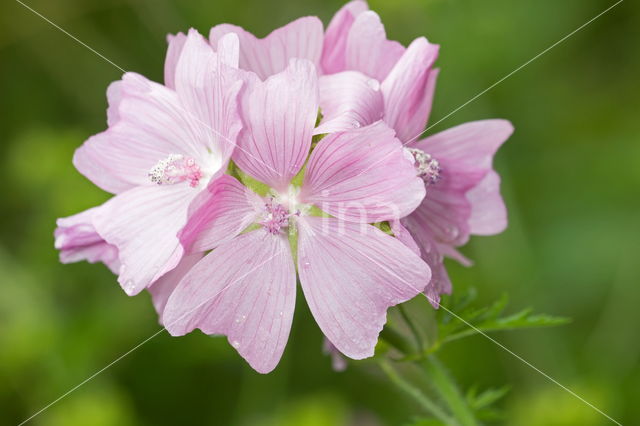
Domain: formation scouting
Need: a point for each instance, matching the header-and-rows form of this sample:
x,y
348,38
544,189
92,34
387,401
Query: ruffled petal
x,y
151,125
465,155
279,115
301,39
335,38
429,250
219,214
208,87
176,43
431,253
143,223
488,211
408,90
404,236
469,146
77,240
351,274
245,289
362,175
368,49
161,290
348,100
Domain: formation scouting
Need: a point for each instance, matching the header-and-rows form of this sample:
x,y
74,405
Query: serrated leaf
x,y
486,397
469,320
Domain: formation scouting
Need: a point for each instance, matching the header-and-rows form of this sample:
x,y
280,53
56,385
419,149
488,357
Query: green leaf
x,y
462,319
487,397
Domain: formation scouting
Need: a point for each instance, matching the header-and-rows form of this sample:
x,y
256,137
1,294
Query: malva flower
x,y
383,80
163,146
350,272
463,195
463,191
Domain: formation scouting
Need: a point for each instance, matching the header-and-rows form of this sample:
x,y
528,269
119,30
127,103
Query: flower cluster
x,y
261,162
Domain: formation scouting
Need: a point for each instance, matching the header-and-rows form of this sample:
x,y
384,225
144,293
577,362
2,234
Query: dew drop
x,y
129,286
281,313
356,124
452,232
304,262
373,84
235,344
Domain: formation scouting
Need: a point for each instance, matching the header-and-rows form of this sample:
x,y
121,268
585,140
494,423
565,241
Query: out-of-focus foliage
x,y
571,174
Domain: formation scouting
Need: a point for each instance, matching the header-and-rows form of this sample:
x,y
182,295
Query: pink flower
x,y
367,77
463,191
463,195
350,272
163,146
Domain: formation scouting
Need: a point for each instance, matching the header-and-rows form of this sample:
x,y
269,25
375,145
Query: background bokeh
x,y
571,176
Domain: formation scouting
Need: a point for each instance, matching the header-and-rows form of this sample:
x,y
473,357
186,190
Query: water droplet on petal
x,y
452,232
281,313
129,286
373,84
304,262
235,344
356,124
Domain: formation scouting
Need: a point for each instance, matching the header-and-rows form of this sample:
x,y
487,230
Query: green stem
x,y
397,340
416,394
448,390
412,327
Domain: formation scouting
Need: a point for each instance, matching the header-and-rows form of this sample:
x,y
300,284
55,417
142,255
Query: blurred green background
x,y
571,179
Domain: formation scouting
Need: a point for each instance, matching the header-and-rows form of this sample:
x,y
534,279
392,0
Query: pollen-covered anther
x,y
176,168
427,167
275,217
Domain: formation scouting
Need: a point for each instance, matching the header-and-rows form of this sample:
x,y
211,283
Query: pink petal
x,y
488,212
338,362
279,115
408,89
245,289
208,88
362,175
368,49
152,124
469,146
445,211
404,236
335,38
218,214
143,224
161,290
453,253
176,42
301,39
77,240
351,274
348,100
440,282
465,155
114,96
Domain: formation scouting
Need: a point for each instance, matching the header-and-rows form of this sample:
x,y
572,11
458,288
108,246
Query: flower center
x,y
275,216
427,167
176,168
